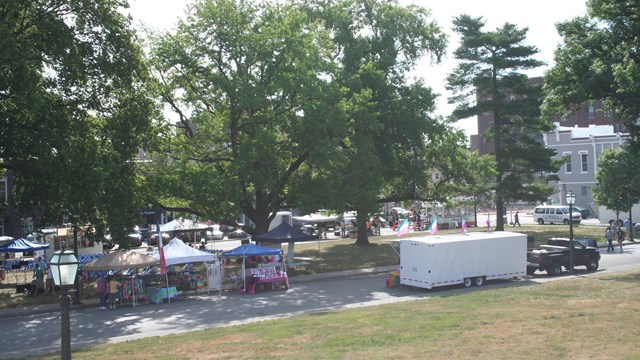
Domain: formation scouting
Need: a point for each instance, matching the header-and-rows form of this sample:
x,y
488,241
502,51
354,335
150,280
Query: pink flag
x,y
464,226
433,228
488,223
403,228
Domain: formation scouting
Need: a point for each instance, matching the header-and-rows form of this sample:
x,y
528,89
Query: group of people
x,y
107,287
616,231
40,283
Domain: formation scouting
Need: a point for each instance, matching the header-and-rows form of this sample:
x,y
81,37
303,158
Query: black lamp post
x,y
571,199
64,266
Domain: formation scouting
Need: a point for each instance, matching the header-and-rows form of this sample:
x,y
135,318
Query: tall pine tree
x,y
489,80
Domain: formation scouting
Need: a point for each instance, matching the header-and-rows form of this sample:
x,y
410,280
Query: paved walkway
x,y
94,302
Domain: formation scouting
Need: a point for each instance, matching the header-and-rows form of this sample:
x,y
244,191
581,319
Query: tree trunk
x,y
362,238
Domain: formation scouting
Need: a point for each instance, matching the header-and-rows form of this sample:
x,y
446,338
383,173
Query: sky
x,y
538,16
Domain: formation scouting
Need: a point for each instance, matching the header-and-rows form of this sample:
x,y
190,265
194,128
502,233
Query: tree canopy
x,y
305,103
489,80
598,60
74,110
616,182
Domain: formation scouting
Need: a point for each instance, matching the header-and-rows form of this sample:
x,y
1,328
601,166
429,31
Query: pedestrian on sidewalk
x,y
114,290
516,220
620,236
608,235
102,288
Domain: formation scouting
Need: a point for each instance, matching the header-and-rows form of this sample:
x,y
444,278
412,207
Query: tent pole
x,y
166,276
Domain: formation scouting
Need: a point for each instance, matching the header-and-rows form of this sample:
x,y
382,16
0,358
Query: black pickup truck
x,y
555,255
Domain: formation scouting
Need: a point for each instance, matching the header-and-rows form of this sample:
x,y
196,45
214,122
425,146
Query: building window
x,y
4,197
583,190
567,164
592,112
583,161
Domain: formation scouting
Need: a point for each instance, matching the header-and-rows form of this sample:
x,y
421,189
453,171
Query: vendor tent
x,y
183,225
177,252
285,233
22,245
248,250
122,259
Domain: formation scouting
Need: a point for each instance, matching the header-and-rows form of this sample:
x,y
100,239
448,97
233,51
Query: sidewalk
x,y
95,302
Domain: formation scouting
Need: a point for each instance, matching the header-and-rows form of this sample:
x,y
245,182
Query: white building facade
x,y
582,147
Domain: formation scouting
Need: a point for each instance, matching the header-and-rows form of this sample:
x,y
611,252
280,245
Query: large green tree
x,y
489,79
74,109
252,87
599,60
617,185
383,150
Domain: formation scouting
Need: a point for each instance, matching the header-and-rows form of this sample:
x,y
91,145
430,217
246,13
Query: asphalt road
x,y
40,333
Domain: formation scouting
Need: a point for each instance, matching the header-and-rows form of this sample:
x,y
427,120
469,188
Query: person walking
x,y
620,236
516,219
608,235
102,288
627,228
114,289
39,282
49,283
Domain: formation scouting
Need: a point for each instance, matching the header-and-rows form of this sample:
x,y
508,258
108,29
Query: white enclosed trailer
x,y
432,260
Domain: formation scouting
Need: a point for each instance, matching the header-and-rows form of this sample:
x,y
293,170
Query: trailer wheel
x,y
479,281
554,269
467,282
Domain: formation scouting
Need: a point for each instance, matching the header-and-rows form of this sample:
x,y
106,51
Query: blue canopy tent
x,y
22,245
285,233
249,250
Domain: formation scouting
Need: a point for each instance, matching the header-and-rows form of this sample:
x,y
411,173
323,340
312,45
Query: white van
x,y
555,214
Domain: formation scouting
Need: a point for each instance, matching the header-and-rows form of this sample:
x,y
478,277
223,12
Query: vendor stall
x,y
177,252
130,286
262,264
285,233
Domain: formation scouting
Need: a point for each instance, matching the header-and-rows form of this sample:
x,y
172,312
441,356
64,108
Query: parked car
x,y
552,258
135,239
583,242
555,214
153,239
238,235
215,233
584,212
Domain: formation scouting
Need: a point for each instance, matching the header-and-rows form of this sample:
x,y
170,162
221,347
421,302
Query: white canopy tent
x,y
183,225
177,252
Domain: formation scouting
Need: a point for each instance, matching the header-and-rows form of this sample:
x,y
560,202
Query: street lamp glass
x,y
64,266
570,197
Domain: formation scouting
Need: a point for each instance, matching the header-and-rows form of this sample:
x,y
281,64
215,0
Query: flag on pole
x,y
464,226
488,223
434,225
403,228
163,261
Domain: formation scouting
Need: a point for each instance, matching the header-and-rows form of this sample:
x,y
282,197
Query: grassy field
x,y
594,317
338,255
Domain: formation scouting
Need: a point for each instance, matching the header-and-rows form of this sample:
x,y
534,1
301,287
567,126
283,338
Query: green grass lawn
x,y
594,317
